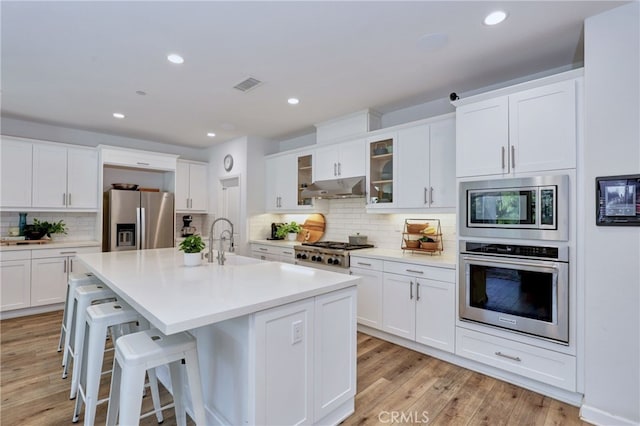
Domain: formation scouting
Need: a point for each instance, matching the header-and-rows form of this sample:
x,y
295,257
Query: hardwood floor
x,y
395,386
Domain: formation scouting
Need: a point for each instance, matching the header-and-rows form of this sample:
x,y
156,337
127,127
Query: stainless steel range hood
x,y
353,187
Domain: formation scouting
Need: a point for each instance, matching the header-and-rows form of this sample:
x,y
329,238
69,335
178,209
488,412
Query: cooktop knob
x,y
336,261
330,261
298,256
304,256
314,258
318,259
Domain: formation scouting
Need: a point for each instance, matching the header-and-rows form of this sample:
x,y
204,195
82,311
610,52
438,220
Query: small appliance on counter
x,y
187,229
274,229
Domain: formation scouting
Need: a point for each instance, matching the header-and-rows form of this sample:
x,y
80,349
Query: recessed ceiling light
x,y
118,115
175,58
211,135
293,101
495,17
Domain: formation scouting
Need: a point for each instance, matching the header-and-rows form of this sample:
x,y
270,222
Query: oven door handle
x,y
551,264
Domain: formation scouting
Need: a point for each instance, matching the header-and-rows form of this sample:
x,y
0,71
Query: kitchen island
x,y
276,342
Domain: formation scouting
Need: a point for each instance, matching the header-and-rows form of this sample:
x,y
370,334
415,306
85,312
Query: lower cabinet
x,y
273,253
369,290
38,277
15,280
305,356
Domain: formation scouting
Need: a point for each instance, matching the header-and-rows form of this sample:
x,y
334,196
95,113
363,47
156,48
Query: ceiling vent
x,y
248,84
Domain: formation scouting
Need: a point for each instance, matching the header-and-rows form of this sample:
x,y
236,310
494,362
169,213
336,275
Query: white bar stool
x,y
117,317
85,296
138,352
75,280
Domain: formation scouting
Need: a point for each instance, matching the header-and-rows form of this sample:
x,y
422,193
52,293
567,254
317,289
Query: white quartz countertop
x,y
52,245
276,243
444,260
176,298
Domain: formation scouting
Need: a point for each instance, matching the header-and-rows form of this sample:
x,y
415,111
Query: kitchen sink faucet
x,y
220,257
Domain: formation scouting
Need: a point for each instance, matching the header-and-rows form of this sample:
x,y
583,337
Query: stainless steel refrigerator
x,y
137,220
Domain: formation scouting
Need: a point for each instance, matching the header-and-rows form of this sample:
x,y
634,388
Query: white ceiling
x,y
75,63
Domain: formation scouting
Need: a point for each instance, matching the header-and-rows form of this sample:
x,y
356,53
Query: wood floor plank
x,y
391,379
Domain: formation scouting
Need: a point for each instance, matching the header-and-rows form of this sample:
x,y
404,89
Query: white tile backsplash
x,y
348,217
80,226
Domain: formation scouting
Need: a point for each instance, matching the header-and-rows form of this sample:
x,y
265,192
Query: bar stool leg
x,y
114,394
130,381
155,393
175,368
63,326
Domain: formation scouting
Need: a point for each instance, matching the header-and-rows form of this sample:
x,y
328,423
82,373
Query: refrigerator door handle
x,y
143,226
138,241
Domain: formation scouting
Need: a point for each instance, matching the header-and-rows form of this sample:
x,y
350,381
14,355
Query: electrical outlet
x,y
296,332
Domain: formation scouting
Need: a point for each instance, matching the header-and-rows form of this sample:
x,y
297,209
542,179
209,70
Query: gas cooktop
x,y
336,245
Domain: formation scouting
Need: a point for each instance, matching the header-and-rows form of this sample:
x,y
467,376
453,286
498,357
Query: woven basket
x,y
411,243
415,228
428,245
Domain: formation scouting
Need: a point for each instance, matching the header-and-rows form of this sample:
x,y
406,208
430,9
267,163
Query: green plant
x,y
288,228
192,244
50,228
427,240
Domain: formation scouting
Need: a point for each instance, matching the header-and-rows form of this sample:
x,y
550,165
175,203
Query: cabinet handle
x,y
425,195
417,290
64,199
335,168
287,252
511,357
68,252
431,195
262,249
64,267
414,271
513,157
410,290
263,258
502,157
339,169
142,164
187,202
363,263
69,199
70,265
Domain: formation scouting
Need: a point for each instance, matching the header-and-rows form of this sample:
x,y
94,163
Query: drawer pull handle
x,y
511,357
141,163
286,252
415,271
363,263
68,252
262,249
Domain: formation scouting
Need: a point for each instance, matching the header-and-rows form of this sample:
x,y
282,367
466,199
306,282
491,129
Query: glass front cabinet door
x,y
381,171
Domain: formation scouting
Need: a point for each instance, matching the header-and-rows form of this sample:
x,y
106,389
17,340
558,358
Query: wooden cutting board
x,y
312,229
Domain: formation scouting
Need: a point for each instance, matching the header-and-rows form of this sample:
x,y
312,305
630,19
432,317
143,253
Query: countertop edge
x,y
397,255
65,244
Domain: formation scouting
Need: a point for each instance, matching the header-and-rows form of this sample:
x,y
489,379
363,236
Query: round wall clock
x,y
228,162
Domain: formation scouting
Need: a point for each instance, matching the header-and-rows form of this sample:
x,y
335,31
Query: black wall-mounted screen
x,y
618,200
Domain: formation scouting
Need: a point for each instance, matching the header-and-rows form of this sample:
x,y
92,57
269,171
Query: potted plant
x,y
47,228
192,246
290,230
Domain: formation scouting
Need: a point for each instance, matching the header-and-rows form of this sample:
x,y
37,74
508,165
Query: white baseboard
x,y
31,311
598,417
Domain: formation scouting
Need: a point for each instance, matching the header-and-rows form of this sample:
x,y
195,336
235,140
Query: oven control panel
x,y
544,252
323,257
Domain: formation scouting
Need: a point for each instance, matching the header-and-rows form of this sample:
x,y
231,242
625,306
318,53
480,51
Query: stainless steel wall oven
x,y
524,288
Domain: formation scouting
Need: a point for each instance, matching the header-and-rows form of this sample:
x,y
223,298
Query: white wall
x,y
33,130
612,254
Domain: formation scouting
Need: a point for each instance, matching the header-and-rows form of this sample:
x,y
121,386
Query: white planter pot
x,y
192,259
292,236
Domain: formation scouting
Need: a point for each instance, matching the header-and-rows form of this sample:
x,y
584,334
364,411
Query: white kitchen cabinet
x,y
273,253
527,131
426,165
15,280
65,178
335,332
137,159
342,160
286,175
50,269
15,173
419,304
191,187
382,171
369,290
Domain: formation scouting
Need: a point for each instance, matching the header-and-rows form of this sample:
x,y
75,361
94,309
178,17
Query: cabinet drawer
x,y
433,273
264,249
67,251
286,252
366,263
15,255
139,159
535,363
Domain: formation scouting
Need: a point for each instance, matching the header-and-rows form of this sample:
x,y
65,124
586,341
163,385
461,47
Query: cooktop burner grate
x,y
336,245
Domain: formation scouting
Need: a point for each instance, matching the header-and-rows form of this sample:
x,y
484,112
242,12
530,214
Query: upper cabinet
x,y
191,187
48,176
340,160
526,131
65,177
426,165
17,163
285,177
381,170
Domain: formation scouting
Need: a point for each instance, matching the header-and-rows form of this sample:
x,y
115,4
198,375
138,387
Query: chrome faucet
x,y
220,257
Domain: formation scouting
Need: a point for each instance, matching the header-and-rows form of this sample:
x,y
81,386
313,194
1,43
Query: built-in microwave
x,y
529,208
